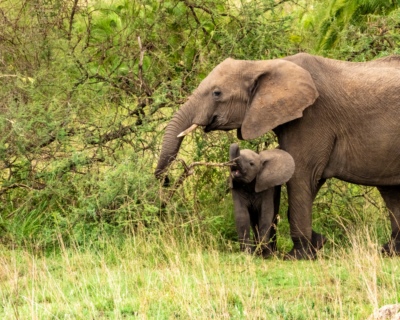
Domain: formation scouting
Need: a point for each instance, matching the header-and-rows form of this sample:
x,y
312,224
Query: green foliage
x,y
86,96
356,30
87,89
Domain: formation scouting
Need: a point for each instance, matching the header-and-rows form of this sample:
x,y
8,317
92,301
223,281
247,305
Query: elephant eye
x,y
216,94
251,163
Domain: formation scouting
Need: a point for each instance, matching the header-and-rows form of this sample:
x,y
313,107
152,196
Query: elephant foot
x,y
273,245
302,250
317,241
267,251
391,248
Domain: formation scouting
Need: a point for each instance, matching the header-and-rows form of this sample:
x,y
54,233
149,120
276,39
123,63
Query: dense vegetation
x,y
86,90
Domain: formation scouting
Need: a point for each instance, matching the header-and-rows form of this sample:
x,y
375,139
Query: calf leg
x,y
242,219
265,227
391,195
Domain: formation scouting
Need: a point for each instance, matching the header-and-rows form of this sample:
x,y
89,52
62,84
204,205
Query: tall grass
x,y
180,273
83,234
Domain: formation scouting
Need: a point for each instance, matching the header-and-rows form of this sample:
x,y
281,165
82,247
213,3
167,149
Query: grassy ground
x,y
184,275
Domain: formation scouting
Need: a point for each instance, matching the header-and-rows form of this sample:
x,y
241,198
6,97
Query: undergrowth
x,y
185,272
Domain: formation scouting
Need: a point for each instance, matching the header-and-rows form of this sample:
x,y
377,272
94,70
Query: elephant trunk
x,y
234,151
181,121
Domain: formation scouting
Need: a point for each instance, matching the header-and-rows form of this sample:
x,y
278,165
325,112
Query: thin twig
x,y
204,30
13,186
188,172
71,19
142,51
209,164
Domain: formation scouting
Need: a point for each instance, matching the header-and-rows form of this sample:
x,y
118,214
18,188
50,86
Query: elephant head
x,y
250,96
270,168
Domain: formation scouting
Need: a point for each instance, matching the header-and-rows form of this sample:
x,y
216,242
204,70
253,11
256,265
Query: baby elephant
x,y
255,182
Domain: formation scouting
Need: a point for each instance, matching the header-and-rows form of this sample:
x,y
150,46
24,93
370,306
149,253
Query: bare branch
x,y
208,164
31,147
211,13
71,20
20,185
199,24
142,51
142,83
188,172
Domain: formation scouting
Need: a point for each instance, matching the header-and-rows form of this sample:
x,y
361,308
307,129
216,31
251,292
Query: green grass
x,y
181,275
74,78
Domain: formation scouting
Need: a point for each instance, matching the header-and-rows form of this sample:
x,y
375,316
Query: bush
x,y
87,89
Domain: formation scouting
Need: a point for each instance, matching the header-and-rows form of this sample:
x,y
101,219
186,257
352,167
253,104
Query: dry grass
x,y
183,275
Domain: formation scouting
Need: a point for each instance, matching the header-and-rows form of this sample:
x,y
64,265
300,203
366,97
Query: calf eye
x,y
216,94
251,163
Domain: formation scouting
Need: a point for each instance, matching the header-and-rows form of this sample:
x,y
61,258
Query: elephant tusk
x,y
188,130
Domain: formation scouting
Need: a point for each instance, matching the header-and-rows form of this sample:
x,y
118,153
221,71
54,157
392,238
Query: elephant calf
x,y
255,182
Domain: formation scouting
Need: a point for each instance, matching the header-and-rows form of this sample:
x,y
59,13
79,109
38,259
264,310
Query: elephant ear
x,y
276,168
281,91
234,152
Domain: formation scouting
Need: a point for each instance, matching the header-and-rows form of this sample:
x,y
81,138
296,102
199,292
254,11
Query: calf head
x,y
270,168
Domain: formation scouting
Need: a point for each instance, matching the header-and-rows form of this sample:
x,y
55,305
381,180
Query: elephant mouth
x,y
219,123
236,173
212,125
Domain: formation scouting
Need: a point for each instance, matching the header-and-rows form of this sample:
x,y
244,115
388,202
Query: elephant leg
x,y
259,232
391,195
317,240
242,220
266,220
258,238
301,197
277,202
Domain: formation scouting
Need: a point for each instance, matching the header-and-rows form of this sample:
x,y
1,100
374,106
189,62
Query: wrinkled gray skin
x,y
335,118
255,183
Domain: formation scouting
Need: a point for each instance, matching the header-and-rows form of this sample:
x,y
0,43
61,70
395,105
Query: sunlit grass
x,y
183,275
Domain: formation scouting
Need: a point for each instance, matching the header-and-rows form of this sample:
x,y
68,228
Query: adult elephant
x,y
337,119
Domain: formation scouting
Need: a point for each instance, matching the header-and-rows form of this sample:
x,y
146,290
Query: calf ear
x,y
276,168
